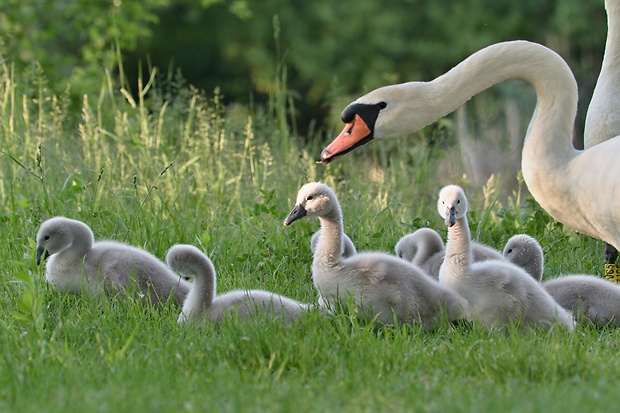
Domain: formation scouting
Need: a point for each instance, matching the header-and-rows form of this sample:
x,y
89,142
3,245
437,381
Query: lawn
x,y
154,171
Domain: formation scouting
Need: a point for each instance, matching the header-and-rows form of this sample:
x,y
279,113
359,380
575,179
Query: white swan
x,y
603,117
348,248
569,184
593,297
527,253
498,292
424,248
380,284
77,263
203,304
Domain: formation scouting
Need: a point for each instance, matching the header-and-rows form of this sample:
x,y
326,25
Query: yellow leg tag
x,y
612,272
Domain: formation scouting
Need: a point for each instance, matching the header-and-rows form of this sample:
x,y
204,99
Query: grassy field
x,y
179,167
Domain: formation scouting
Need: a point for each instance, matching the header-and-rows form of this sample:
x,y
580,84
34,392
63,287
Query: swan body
x,y
603,117
76,263
348,248
203,304
424,248
498,292
569,184
527,253
380,285
595,298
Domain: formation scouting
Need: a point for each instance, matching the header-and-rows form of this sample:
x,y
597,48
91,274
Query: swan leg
x,y
612,270
611,254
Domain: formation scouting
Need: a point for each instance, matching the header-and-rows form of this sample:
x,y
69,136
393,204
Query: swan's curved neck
x,y
603,117
329,248
612,46
421,251
548,156
611,60
413,105
202,292
82,239
550,133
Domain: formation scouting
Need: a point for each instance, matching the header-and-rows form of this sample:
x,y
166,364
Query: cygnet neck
x,y
330,244
458,248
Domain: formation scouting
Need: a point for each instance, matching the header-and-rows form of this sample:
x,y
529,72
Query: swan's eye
x,y
458,201
46,238
509,251
309,198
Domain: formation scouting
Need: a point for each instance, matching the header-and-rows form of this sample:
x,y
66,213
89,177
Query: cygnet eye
x,y
309,198
46,237
458,201
509,251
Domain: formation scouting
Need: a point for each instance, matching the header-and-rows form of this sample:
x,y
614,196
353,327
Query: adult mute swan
x,y
75,263
498,292
603,117
424,248
380,284
571,185
203,304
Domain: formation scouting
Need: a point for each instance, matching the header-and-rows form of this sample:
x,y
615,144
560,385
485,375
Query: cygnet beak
x,y
450,216
41,252
297,213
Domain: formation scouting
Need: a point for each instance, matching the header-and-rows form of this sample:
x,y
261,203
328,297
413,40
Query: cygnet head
x,y
452,204
527,253
55,235
314,199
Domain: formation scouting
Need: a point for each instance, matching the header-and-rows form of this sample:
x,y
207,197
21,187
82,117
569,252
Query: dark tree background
x,y
326,51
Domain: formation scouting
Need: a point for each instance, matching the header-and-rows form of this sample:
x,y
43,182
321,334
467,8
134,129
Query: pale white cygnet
x,y
596,299
380,285
203,304
76,263
527,253
586,295
498,292
424,248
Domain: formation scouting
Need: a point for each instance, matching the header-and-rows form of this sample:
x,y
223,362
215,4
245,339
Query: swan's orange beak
x,y
354,134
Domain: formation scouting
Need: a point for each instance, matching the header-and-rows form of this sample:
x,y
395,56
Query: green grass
x,y
186,169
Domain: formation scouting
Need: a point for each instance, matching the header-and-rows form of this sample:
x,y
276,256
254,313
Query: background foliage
x,y
332,51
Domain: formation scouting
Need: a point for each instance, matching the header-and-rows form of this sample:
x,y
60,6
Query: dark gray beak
x,y
297,213
450,216
42,252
